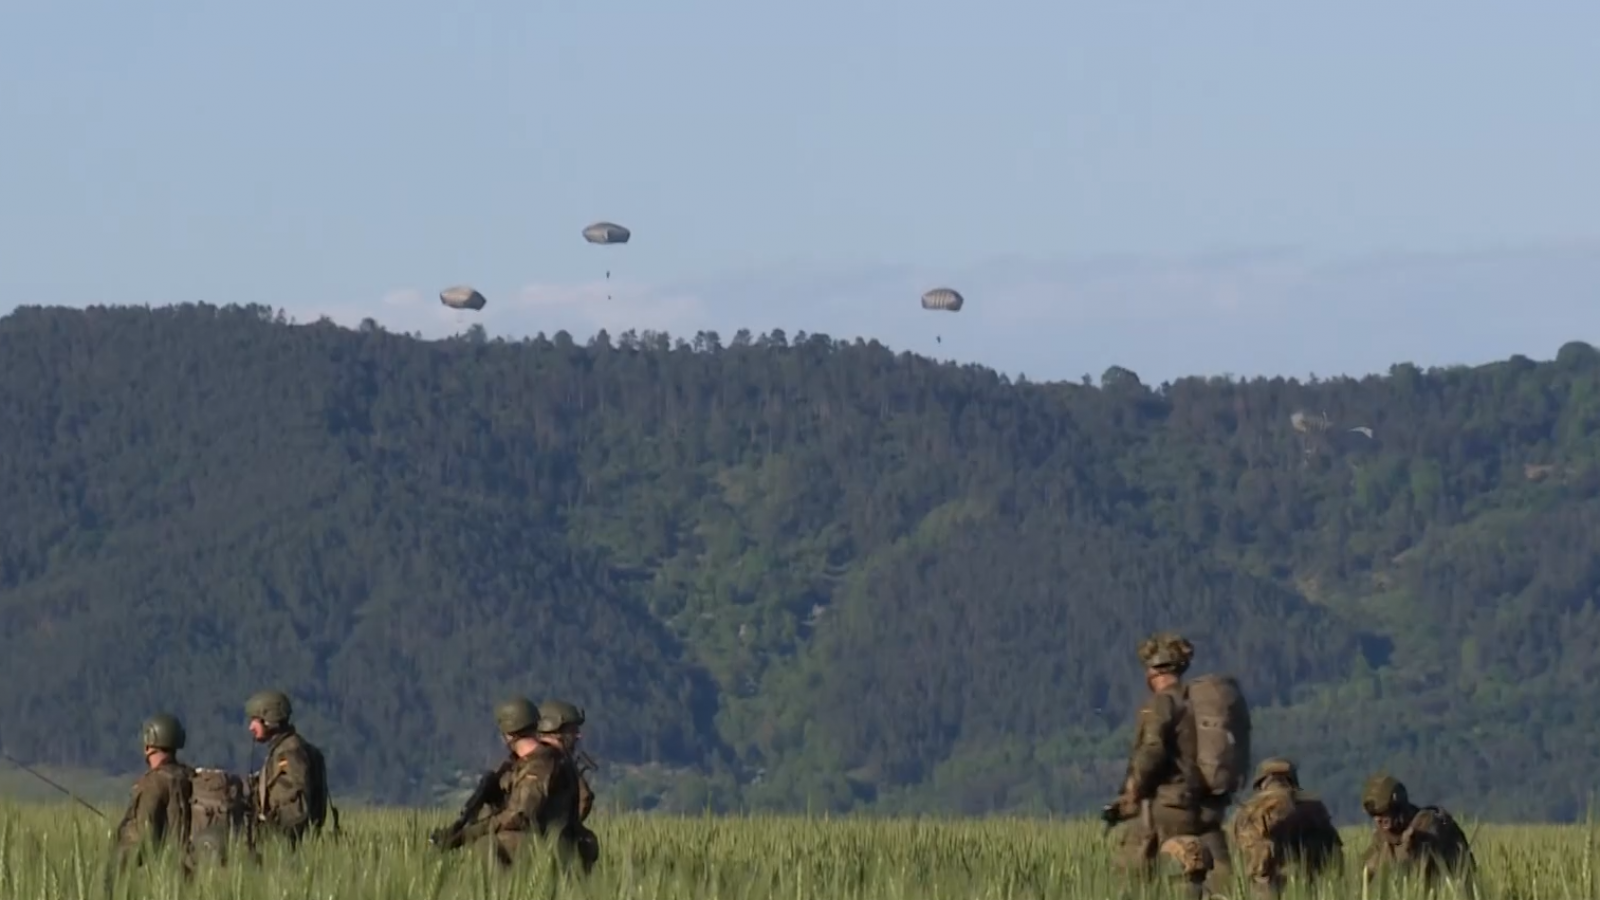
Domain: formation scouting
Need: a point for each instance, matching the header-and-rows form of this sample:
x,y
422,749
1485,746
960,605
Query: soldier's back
x,y
1434,839
1279,827
158,814
1310,835
1164,751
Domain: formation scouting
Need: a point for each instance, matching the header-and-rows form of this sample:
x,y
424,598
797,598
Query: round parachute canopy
x,y
461,297
944,299
606,233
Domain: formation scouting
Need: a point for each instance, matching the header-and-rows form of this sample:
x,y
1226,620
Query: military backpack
x,y
221,800
1221,719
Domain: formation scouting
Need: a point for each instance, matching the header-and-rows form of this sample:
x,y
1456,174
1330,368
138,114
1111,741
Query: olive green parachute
x,y
462,297
945,299
606,233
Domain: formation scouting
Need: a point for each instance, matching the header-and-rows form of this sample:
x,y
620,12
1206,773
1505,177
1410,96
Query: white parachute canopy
x,y
606,233
462,297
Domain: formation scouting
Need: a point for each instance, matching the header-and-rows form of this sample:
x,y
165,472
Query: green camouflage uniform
x,y
1161,794
536,795
291,789
556,714
158,811
1281,826
1423,841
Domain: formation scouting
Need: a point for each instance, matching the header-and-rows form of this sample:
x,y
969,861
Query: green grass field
x,y
60,852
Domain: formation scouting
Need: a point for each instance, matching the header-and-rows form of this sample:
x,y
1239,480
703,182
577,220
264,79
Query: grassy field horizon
x,y
60,850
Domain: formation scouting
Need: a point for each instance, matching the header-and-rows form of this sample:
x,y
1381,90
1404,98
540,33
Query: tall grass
x,y
60,852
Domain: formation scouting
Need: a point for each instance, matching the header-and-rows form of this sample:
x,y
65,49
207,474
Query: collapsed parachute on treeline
x,y
462,297
1307,424
944,299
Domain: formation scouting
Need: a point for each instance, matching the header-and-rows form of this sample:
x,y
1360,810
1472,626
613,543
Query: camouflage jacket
x,y
585,798
158,814
539,794
1161,766
1278,825
291,790
1431,843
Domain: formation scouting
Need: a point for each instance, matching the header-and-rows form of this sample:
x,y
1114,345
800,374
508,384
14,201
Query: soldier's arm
x,y
180,798
1149,757
142,820
524,797
287,787
149,807
585,798
180,823
1373,859
134,826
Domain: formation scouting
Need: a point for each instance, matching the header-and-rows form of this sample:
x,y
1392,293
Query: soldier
x,y
1423,840
158,813
566,722
1281,825
291,790
534,791
1164,792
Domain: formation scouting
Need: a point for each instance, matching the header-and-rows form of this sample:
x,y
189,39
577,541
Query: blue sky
x,y
1176,188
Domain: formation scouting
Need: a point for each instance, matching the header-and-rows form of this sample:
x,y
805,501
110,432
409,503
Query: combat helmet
x,y
1384,795
557,714
515,715
163,731
1276,767
271,707
1166,651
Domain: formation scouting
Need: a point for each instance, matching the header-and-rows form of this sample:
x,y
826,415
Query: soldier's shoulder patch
x,y
283,764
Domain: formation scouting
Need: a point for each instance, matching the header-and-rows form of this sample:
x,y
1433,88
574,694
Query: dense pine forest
x,y
787,573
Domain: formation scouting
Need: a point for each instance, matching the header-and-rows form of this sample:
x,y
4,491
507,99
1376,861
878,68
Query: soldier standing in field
x,y
1176,812
290,792
158,812
1415,840
534,793
1280,826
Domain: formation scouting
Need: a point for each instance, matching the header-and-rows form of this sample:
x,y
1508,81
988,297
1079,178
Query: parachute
x,y
462,297
606,233
944,299
1305,423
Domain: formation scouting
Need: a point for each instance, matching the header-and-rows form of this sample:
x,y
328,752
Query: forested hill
x,y
786,573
